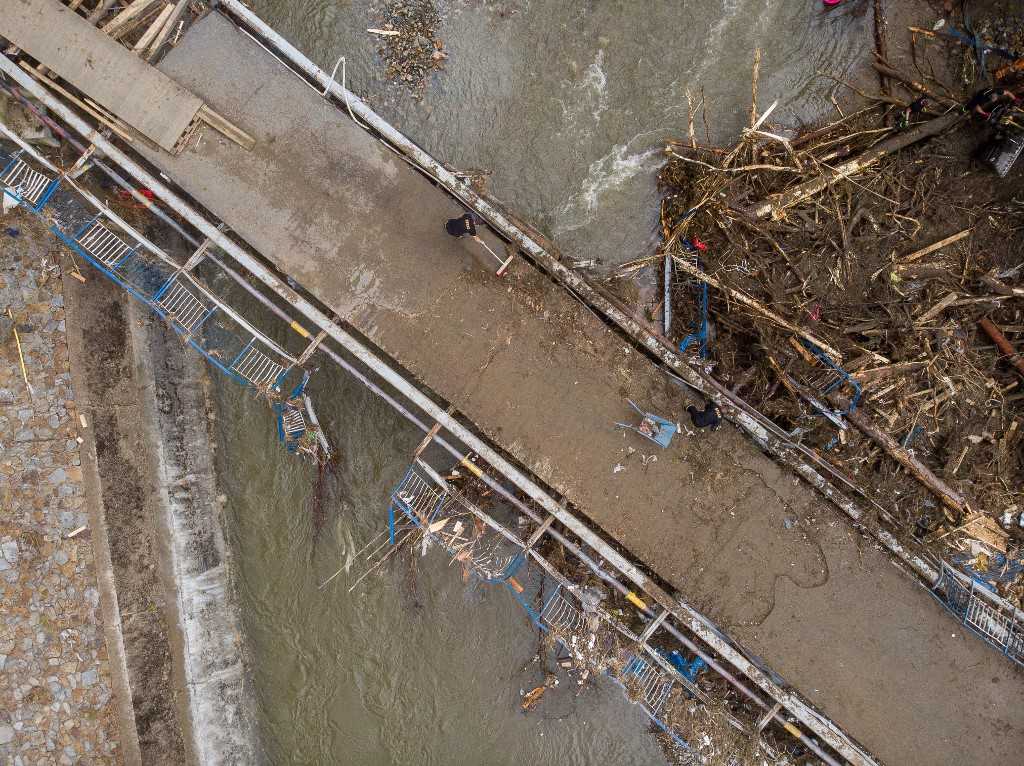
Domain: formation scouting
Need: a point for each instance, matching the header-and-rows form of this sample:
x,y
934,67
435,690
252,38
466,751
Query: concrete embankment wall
x,y
170,607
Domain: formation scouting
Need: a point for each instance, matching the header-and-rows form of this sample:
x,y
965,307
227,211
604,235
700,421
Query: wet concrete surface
x,y
546,380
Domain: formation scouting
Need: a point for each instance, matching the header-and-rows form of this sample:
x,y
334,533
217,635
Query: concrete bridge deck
x,y
545,379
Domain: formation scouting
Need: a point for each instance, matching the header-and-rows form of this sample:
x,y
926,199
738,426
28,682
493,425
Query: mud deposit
x,y
100,359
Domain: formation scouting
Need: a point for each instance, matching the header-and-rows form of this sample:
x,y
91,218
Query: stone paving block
x,y
55,694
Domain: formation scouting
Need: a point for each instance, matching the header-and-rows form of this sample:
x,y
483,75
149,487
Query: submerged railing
x,y
428,506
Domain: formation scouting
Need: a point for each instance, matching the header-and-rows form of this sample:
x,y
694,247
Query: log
x,y
919,470
880,43
993,331
913,85
757,306
667,307
1002,288
776,204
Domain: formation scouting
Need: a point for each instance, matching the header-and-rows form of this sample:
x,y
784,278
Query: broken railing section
x,y
981,611
427,509
171,290
821,384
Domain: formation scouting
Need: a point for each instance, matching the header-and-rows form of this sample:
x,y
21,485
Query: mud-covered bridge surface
x,y
755,549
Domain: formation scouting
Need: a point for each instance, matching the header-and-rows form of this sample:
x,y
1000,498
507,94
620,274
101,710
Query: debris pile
x,y
865,283
409,46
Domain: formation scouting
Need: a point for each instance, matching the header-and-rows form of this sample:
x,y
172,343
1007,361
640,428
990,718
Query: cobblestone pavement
x,y
55,692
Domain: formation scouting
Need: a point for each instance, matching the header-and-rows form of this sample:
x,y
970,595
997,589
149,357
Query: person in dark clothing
x,y
709,417
462,227
913,109
991,103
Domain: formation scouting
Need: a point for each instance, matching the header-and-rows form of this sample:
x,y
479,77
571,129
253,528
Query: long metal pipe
x,y
821,726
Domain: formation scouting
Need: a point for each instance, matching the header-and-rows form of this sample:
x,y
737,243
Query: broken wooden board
x,y
145,98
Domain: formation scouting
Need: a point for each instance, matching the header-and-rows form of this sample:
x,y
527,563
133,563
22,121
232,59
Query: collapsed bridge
x,y
544,380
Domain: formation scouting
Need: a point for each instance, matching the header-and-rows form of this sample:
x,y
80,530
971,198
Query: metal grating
x,y
293,424
105,246
562,616
651,684
1000,627
28,184
256,367
988,621
183,307
418,497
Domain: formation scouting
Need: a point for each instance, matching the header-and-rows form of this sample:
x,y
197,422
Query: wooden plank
x,y
225,127
161,38
101,68
103,118
937,309
119,24
935,246
151,33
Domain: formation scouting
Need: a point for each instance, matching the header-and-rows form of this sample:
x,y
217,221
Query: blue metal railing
x,y
981,612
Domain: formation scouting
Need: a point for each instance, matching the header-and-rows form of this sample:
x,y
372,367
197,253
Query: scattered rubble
x,y
409,46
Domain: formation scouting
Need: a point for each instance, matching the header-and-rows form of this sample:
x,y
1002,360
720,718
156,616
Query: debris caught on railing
x,y
843,289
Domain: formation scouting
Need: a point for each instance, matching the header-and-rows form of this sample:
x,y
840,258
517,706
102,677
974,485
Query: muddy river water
x,y
568,104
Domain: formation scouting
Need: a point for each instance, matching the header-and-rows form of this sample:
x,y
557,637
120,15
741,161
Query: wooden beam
x,y
165,32
915,467
227,128
109,120
943,304
917,254
760,308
